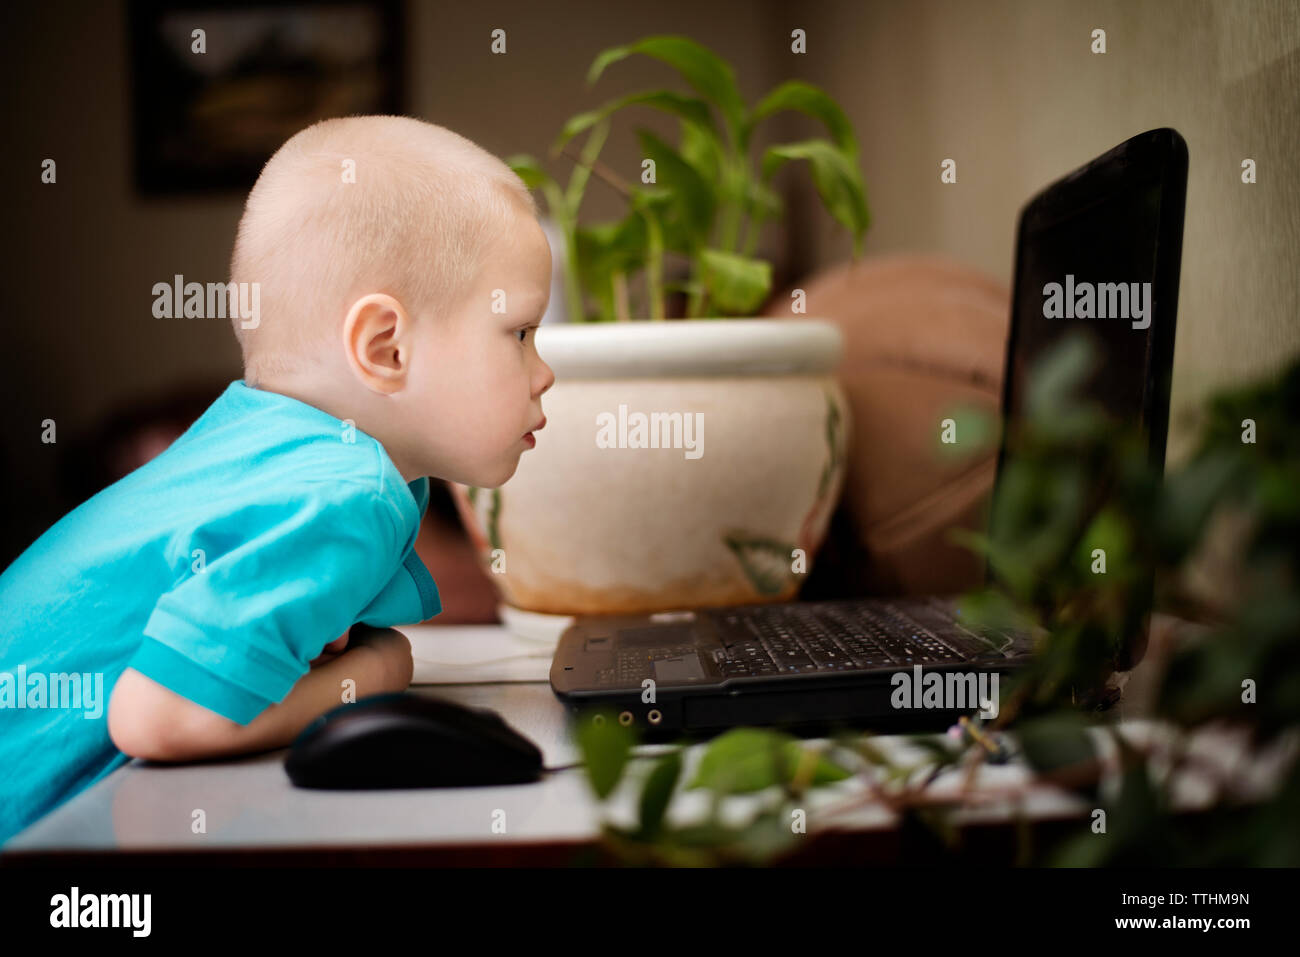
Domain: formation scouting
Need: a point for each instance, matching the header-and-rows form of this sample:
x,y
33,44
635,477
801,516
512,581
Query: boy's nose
x,y
548,377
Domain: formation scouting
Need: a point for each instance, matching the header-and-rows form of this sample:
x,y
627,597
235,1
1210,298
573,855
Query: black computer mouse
x,y
410,741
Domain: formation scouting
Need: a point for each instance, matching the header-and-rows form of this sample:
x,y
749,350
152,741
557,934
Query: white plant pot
x,y
581,529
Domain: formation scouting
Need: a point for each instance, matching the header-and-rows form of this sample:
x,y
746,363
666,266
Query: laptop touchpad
x,y
683,668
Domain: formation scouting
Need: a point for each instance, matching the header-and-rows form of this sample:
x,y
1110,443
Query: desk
x,y
143,812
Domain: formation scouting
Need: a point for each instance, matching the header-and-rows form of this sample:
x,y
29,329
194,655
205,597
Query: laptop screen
x,y
1098,253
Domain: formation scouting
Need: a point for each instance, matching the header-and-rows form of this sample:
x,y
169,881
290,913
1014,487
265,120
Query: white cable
x,y
475,664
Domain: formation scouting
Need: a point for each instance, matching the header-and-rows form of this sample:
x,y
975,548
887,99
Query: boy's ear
x,y
377,337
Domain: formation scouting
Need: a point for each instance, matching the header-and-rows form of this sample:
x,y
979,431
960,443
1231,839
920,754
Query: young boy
x,y
211,594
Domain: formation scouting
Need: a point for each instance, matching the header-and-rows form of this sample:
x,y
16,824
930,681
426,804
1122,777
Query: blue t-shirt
x,y
219,569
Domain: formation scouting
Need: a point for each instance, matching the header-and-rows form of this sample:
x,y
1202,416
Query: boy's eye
x,y
523,333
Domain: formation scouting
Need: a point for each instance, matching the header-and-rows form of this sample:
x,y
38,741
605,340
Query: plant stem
x,y
619,281
586,160
734,178
586,164
751,234
695,301
603,172
654,266
730,226
572,284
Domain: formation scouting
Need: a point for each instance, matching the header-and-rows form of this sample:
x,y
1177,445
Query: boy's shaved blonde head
x,y
425,206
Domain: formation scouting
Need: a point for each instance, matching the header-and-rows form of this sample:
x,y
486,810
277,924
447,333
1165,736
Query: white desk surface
x,y
250,804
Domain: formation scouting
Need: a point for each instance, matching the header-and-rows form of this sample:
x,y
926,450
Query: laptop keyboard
x,y
798,639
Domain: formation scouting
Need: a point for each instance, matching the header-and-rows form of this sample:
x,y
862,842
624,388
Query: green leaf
x,y
765,838
1035,519
1055,742
684,285
706,834
1110,533
740,761
575,125
935,821
658,791
989,611
530,171
1084,849
836,176
812,100
765,561
493,523
1191,496
702,149
606,747
761,200
863,747
703,69
737,284
1056,377
825,771
693,199
936,746
693,111
604,248
975,430
744,760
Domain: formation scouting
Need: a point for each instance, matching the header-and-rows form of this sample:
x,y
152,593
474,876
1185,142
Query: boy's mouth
x,y
529,439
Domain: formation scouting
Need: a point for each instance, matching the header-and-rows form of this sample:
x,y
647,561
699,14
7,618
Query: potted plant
x,y
688,462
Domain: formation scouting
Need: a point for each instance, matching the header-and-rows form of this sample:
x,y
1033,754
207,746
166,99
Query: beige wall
x,y
1008,89
1011,91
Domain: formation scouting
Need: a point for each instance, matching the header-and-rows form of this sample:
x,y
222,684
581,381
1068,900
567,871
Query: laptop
x,y
818,665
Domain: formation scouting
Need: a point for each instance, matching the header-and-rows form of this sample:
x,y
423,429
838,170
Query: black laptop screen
x,y
1099,253
1093,270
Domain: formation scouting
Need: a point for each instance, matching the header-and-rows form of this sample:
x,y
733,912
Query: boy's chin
x,y
498,477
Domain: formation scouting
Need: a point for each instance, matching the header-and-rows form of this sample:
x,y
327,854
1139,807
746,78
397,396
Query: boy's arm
x,y
147,720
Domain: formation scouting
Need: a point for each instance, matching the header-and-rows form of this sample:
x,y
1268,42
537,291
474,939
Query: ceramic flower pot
x,y
684,464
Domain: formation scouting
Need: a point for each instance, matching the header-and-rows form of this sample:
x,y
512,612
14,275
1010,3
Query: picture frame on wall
x,y
217,89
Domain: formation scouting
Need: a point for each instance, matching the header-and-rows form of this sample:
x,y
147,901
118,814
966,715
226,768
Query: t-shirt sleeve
x,y
422,493
410,597
279,579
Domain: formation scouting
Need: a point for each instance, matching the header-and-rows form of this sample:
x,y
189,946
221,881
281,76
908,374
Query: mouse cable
x,y
565,767
478,664
583,764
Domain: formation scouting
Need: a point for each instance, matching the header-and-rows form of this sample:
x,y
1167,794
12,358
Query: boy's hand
x,y
332,650
392,648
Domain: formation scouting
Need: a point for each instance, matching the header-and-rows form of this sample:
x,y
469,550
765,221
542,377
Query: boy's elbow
x,y
146,720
